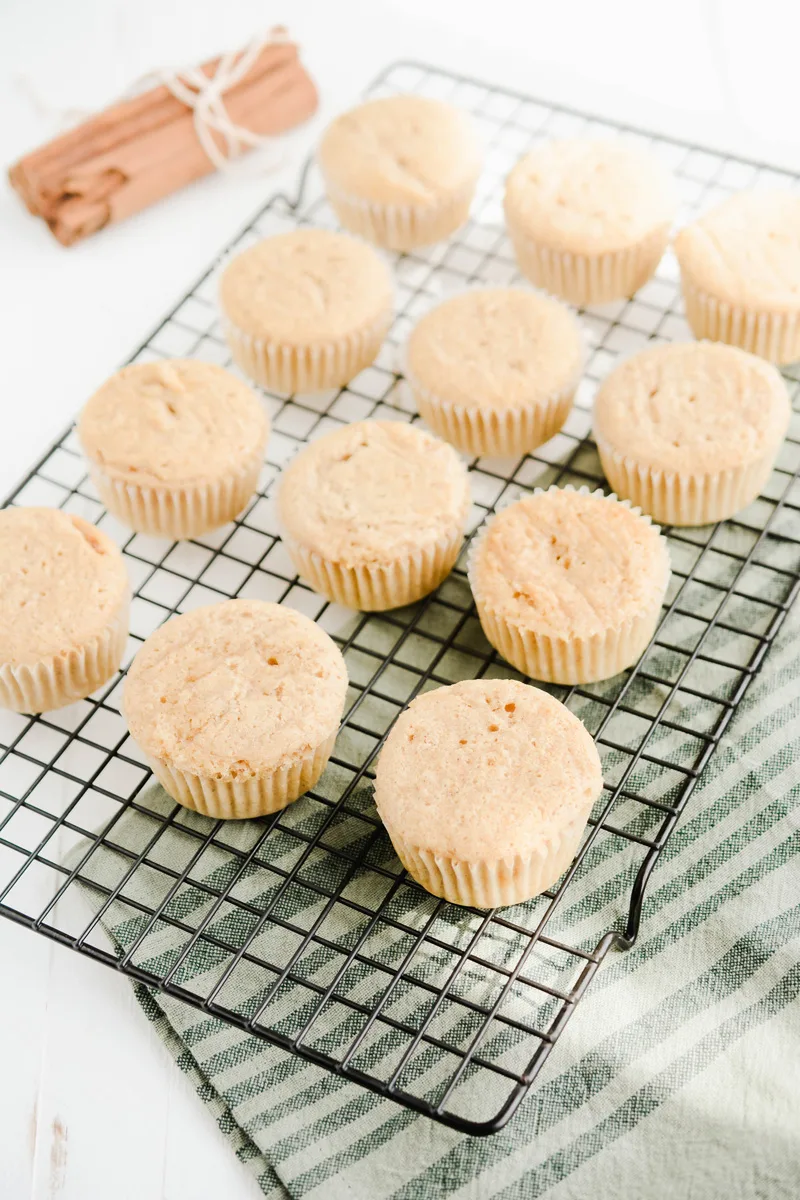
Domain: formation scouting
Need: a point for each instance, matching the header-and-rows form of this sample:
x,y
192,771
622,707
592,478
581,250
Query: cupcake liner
x,y
310,366
374,587
569,659
770,334
240,799
402,227
477,431
491,884
675,498
178,512
73,674
588,278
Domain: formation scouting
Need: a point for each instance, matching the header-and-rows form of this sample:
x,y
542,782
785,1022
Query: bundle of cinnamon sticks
x,y
140,150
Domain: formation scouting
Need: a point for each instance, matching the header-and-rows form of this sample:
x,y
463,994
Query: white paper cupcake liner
x,y
402,227
375,587
491,884
178,512
306,367
241,799
570,659
771,335
588,278
476,431
71,675
677,498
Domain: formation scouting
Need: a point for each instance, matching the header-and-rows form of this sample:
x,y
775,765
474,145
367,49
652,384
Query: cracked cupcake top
x,y
173,422
400,150
694,407
309,285
569,564
373,491
235,689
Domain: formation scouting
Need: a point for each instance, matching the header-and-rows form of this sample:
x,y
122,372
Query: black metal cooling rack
x,y
303,928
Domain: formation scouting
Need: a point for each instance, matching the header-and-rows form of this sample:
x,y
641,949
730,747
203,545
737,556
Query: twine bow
x,y
205,95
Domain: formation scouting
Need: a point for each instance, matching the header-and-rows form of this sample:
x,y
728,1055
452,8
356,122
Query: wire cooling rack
x,y
303,928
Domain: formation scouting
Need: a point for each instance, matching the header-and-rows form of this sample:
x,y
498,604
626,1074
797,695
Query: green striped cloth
x,y
679,1075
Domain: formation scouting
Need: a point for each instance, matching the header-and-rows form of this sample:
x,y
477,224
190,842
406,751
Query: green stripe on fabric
x,y
702,819
644,1102
651,946
593,1072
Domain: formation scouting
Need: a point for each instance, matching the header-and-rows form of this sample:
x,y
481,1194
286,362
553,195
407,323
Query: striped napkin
x,y
679,1074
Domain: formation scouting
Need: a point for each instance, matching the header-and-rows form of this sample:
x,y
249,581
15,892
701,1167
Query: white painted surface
x,y
91,1106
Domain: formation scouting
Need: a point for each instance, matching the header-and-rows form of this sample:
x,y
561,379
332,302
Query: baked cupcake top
x,y
309,285
497,348
486,770
746,250
400,150
589,197
373,491
694,407
172,423
234,689
62,581
569,563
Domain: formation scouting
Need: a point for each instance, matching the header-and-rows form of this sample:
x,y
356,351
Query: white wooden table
x,y
91,1105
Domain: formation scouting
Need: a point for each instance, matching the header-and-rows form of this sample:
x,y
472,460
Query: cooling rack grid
x,y
303,928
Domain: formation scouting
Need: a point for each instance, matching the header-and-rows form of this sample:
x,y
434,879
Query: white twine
x,y
203,94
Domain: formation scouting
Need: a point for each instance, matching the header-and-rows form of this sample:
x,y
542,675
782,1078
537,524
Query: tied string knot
x,y
205,96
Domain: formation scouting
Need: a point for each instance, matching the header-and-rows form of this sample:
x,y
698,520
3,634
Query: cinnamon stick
x,y
136,152
41,171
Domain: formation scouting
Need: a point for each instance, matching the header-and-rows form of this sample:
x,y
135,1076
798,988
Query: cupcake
x,y
589,220
174,448
236,706
373,514
485,788
401,171
690,432
494,370
307,310
64,597
740,271
569,584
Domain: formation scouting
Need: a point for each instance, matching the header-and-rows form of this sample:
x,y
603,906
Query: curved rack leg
x,y
626,940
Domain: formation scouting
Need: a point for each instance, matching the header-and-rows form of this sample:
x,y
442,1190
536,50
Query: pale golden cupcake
x,y
569,584
306,310
740,272
494,370
64,596
174,448
373,513
690,432
401,171
236,706
485,789
589,220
